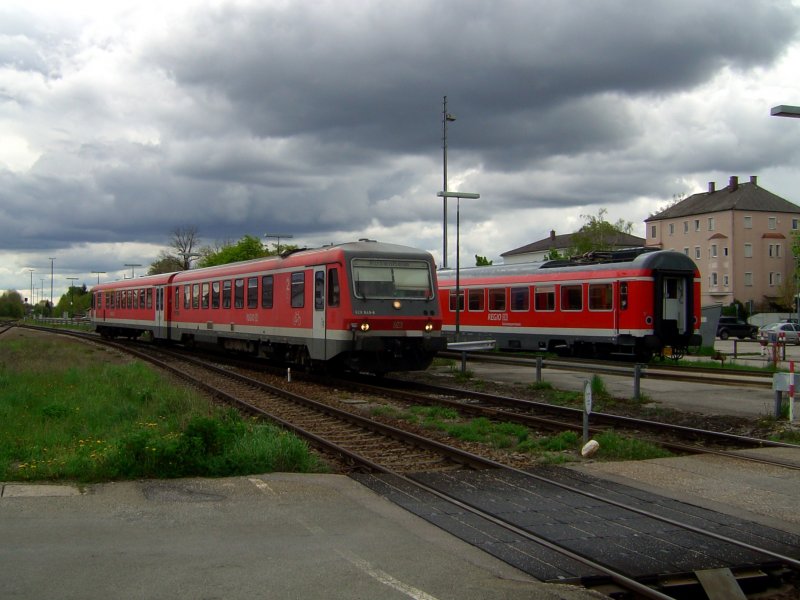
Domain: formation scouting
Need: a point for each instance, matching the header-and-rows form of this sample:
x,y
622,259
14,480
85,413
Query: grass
x,y
72,412
551,448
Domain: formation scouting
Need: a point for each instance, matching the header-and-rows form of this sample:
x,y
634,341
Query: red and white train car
x,y
365,306
632,303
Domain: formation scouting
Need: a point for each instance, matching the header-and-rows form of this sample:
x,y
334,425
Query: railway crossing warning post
x,y
786,382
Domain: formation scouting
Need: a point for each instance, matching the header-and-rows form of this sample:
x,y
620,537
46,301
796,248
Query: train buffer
x,y
471,346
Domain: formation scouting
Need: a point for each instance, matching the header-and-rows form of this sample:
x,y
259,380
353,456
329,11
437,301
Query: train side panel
x,y
633,308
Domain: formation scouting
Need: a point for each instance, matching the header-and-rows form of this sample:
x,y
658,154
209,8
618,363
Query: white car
x,y
788,332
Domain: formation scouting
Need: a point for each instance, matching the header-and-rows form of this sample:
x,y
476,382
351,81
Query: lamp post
x,y
785,110
446,118
133,266
458,195
52,258
98,273
31,298
71,302
286,236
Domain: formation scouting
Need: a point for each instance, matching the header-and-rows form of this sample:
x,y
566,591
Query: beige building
x,y
739,236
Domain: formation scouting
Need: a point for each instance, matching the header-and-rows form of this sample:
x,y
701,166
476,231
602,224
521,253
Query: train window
x,y
215,294
623,295
149,301
453,300
187,296
571,297
177,303
520,299
319,290
380,278
544,298
476,300
238,293
600,296
226,294
333,287
267,291
497,299
134,299
196,295
298,289
141,299
206,290
252,292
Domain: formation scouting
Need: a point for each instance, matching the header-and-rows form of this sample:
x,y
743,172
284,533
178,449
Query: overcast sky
x,y
121,121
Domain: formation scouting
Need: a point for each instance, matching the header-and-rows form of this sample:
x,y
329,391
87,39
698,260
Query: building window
x,y
652,231
773,222
697,252
671,228
714,282
795,223
748,222
774,279
697,224
725,251
686,251
713,251
748,250
711,223
725,280
686,227
748,279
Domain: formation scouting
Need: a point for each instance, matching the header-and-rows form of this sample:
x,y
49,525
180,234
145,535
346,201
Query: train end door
x,y
319,344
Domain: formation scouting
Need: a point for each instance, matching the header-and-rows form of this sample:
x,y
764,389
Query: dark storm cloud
x,y
326,116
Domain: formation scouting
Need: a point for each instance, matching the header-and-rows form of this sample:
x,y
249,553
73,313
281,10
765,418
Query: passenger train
x,y
362,306
631,303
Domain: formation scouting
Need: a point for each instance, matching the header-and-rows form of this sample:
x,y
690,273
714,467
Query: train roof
x,y
292,258
637,258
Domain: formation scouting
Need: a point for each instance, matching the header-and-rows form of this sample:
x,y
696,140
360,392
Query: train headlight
x,y
428,326
364,327
397,304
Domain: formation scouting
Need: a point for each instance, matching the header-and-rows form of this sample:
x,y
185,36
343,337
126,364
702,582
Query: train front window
x,y
381,278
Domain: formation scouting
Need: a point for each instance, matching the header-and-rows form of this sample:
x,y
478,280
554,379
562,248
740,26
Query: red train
x,y
363,306
632,303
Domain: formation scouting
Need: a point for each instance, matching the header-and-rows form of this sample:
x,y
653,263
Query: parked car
x,y
731,326
772,332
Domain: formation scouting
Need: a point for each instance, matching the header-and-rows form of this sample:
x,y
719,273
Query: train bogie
x,y
632,304
361,306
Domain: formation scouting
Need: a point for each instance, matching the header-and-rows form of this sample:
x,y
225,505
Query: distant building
x,y
540,250
740,237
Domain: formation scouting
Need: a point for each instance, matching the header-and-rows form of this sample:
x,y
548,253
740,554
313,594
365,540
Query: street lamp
x,y
446,118
784,110
71,291
133,266
98,273
458,195
286,236
31,298
52,258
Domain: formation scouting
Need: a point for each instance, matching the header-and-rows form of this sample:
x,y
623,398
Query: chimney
x,y
552,235
711,186
734,183
754,179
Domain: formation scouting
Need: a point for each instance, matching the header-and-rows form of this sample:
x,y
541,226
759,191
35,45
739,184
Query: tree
x,y
11,305
184,242
598,234
76,300
246,248
482,261
184,250
165,263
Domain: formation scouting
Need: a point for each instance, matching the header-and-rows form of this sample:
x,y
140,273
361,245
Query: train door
x,y
319,344
674,301
159,329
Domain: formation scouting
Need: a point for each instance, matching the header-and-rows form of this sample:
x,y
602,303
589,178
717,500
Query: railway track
x,y
454,486
727,376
